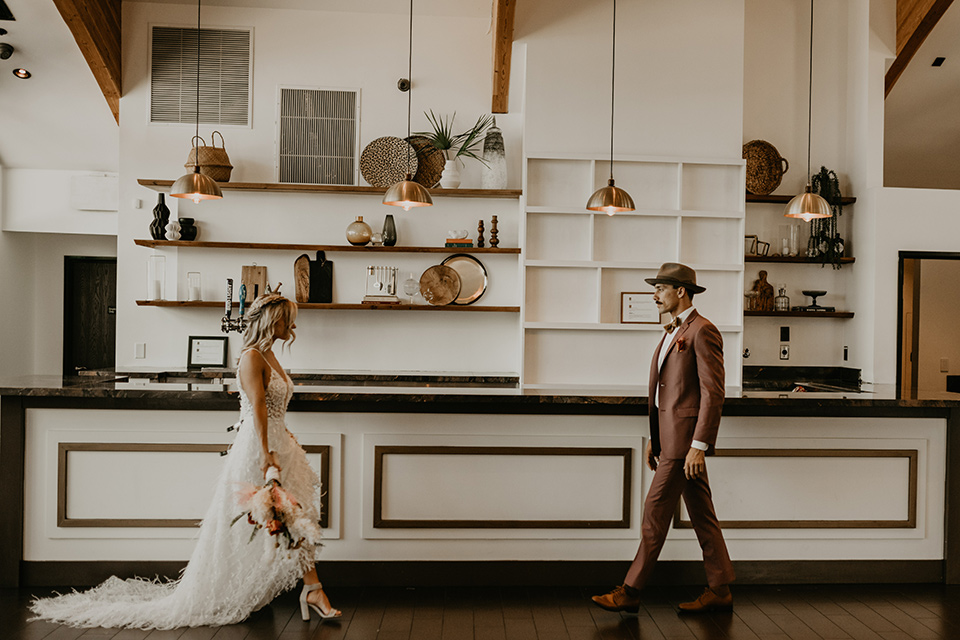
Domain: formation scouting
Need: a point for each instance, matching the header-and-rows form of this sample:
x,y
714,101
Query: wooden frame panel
x,y
65,447
380,522
909,523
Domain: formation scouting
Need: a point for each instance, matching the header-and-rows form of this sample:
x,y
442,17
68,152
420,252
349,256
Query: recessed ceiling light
x,y
21,73
938,61
3,31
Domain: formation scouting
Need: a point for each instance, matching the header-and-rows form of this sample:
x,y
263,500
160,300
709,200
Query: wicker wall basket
x,y
765,167
214,162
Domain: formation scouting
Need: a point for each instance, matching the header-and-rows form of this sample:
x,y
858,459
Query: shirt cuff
x,y
696,444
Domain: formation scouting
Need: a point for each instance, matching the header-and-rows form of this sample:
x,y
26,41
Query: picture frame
x,y
206,351
638,307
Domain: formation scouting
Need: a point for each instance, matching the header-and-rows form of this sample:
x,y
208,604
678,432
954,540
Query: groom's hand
x,y
695,464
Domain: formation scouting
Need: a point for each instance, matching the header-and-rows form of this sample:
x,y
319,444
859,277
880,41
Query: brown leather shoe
x,y
618,600
709,600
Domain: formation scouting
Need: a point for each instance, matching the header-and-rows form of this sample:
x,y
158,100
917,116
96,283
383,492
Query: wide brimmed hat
x,y
679,275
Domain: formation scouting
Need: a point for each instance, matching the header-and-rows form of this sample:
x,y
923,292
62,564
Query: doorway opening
x,y
89,314
928,354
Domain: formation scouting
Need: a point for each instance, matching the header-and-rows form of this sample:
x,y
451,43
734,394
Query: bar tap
x,y
228,324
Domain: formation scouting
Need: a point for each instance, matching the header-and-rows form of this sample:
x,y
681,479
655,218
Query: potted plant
x,y
455,146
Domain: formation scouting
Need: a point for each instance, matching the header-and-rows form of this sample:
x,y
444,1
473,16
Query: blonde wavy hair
x,y
262,318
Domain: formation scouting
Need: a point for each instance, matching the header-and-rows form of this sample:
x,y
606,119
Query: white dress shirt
x,y
668,340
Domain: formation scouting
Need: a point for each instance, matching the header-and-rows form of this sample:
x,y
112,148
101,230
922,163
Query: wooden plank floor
x,y
760,613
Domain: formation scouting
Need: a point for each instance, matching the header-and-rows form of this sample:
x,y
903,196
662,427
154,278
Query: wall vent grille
x,y
318,136
224,76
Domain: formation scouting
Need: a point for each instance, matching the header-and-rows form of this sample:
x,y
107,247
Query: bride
x,y
235,569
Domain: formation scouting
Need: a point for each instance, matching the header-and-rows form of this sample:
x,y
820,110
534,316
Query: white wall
x,y
853,42
679,94
679,84
31,287
906,220
451,72
16,313
57,201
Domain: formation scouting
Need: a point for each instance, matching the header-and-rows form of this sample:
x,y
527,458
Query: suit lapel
x,y
680,331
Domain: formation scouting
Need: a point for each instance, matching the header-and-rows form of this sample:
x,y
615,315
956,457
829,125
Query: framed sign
x,y
638,308
207,351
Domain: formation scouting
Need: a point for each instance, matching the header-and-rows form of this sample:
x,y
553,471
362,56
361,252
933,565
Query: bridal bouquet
x,y
270,507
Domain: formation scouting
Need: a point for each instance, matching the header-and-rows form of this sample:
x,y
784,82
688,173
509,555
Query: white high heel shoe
x,y
306,606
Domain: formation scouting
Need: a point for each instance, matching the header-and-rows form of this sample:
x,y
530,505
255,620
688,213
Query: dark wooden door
x,y
89,314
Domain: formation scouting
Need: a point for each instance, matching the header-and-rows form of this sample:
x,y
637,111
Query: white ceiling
x,y
922,114
58,119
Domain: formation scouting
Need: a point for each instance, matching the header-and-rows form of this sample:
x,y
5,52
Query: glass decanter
x,y
411,287
781,302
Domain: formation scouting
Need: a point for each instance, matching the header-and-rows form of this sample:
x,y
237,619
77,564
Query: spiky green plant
x,y
456,145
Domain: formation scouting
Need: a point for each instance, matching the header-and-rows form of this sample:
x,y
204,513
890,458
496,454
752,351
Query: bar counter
x,y
463,480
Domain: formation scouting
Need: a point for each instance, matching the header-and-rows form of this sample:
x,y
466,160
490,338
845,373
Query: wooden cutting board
x,y
440,285
301,274
253,276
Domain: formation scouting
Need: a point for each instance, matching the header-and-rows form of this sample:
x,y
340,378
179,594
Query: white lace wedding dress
x,y
229,575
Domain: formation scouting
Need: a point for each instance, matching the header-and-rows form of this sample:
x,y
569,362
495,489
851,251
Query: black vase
x,y
161,216
188,230
389,231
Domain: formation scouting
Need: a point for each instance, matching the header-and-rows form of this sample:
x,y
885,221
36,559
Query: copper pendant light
x,y
407,193
196,186
611,199
808,205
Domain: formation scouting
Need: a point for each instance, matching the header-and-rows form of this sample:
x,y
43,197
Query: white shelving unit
x,y
576,262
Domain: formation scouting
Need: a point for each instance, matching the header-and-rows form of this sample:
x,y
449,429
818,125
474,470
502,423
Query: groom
x,y
686,397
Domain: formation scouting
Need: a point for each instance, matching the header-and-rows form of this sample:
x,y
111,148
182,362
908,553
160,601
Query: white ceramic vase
x,y
450,178
173,230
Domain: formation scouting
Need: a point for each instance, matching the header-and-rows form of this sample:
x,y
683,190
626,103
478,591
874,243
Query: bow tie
x,y
673,324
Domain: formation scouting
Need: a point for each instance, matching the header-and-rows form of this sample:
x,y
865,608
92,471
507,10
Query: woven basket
x,y
765,167
214,162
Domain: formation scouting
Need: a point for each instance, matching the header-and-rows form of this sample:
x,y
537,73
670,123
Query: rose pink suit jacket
x,y
691,389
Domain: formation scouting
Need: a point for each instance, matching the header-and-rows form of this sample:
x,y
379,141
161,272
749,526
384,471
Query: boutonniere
x,y
681,344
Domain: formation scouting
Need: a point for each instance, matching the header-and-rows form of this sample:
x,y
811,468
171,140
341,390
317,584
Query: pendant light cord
x,y
197,152
613,77
810,94
410,80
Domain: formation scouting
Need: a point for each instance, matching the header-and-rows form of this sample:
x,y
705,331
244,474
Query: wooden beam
x,y
503,11
915,20
95,25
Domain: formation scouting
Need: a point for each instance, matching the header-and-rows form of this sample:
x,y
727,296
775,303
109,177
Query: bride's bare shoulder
x,y
253,365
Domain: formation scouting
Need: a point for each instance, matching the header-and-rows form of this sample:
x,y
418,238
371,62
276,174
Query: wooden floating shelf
x,y
769,199
799,314
164,185
794,259
264,246
212,304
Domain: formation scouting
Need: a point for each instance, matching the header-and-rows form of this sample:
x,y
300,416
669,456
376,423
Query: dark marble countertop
x,y
498,396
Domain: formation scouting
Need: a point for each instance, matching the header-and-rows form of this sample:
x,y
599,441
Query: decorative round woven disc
x,y
765,167
430,161
385,160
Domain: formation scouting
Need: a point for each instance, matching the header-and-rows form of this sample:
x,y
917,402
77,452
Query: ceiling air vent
x,y
318,136
225,69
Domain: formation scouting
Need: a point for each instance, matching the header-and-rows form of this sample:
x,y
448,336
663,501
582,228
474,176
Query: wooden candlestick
x,y
480,235
493,232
